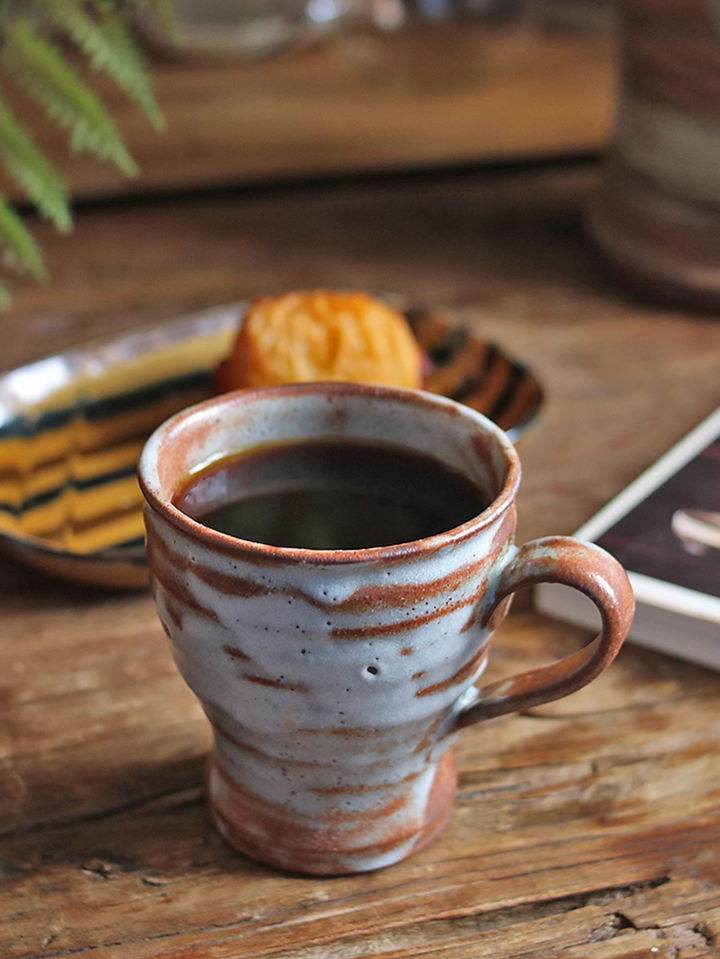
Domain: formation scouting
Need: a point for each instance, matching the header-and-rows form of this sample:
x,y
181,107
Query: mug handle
x,y
585,566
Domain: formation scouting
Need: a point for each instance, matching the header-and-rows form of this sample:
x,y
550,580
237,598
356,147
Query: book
x,y
665,530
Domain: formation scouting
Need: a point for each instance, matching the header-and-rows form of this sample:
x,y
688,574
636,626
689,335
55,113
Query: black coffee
x,y
330,495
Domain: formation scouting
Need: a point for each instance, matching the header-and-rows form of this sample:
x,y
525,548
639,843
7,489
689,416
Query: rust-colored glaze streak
x,y
170,580
230,585
318,855
348,732
174,611
400,595
465,671
275,683
426,741
441,798
380,597
499,613
359,602
257,826
361,789
226,583
254,750
504,533
236,653
406,625
336,814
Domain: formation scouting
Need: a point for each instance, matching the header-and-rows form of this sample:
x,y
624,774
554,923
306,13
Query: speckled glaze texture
x,y
335,681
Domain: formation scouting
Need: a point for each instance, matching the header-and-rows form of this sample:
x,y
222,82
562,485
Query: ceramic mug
x,y
336,680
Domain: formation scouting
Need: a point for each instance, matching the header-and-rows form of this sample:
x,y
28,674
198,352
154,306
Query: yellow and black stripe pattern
x,y
72,428
71,431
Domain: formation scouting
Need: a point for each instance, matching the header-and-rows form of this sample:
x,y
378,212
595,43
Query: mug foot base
x,y
350,847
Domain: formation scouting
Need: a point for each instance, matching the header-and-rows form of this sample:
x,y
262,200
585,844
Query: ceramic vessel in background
x,y
216,31
246,30
657,217
336,680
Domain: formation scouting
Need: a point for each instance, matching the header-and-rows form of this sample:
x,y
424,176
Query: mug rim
x,y
158,500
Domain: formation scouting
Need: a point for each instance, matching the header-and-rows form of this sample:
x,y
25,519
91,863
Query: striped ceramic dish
x,y
72,427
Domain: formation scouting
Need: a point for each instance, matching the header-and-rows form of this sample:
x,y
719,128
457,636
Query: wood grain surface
x,y
453,93
586,829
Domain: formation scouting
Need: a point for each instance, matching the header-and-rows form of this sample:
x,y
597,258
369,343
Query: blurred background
x,y
265,90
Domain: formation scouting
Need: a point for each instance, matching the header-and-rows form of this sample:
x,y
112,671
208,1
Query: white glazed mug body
x,y
334,680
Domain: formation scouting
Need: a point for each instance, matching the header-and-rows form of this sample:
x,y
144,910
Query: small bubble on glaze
x,y
371,672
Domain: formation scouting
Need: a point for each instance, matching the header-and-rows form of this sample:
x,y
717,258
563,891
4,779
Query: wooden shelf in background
x,y
359,103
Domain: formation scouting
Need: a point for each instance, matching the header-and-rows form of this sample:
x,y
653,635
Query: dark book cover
x,y
665,530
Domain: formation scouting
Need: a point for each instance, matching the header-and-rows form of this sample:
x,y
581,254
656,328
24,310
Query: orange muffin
x,y
312,335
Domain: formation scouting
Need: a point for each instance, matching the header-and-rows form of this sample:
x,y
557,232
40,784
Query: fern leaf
x,y
20,249
25,162
106,41
40,68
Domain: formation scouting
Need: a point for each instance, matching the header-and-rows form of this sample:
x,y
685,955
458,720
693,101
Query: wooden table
x,y
587,829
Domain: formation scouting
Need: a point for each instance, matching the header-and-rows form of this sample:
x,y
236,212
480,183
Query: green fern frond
x,y
20,249
25,162
29,53
106,40
39,66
